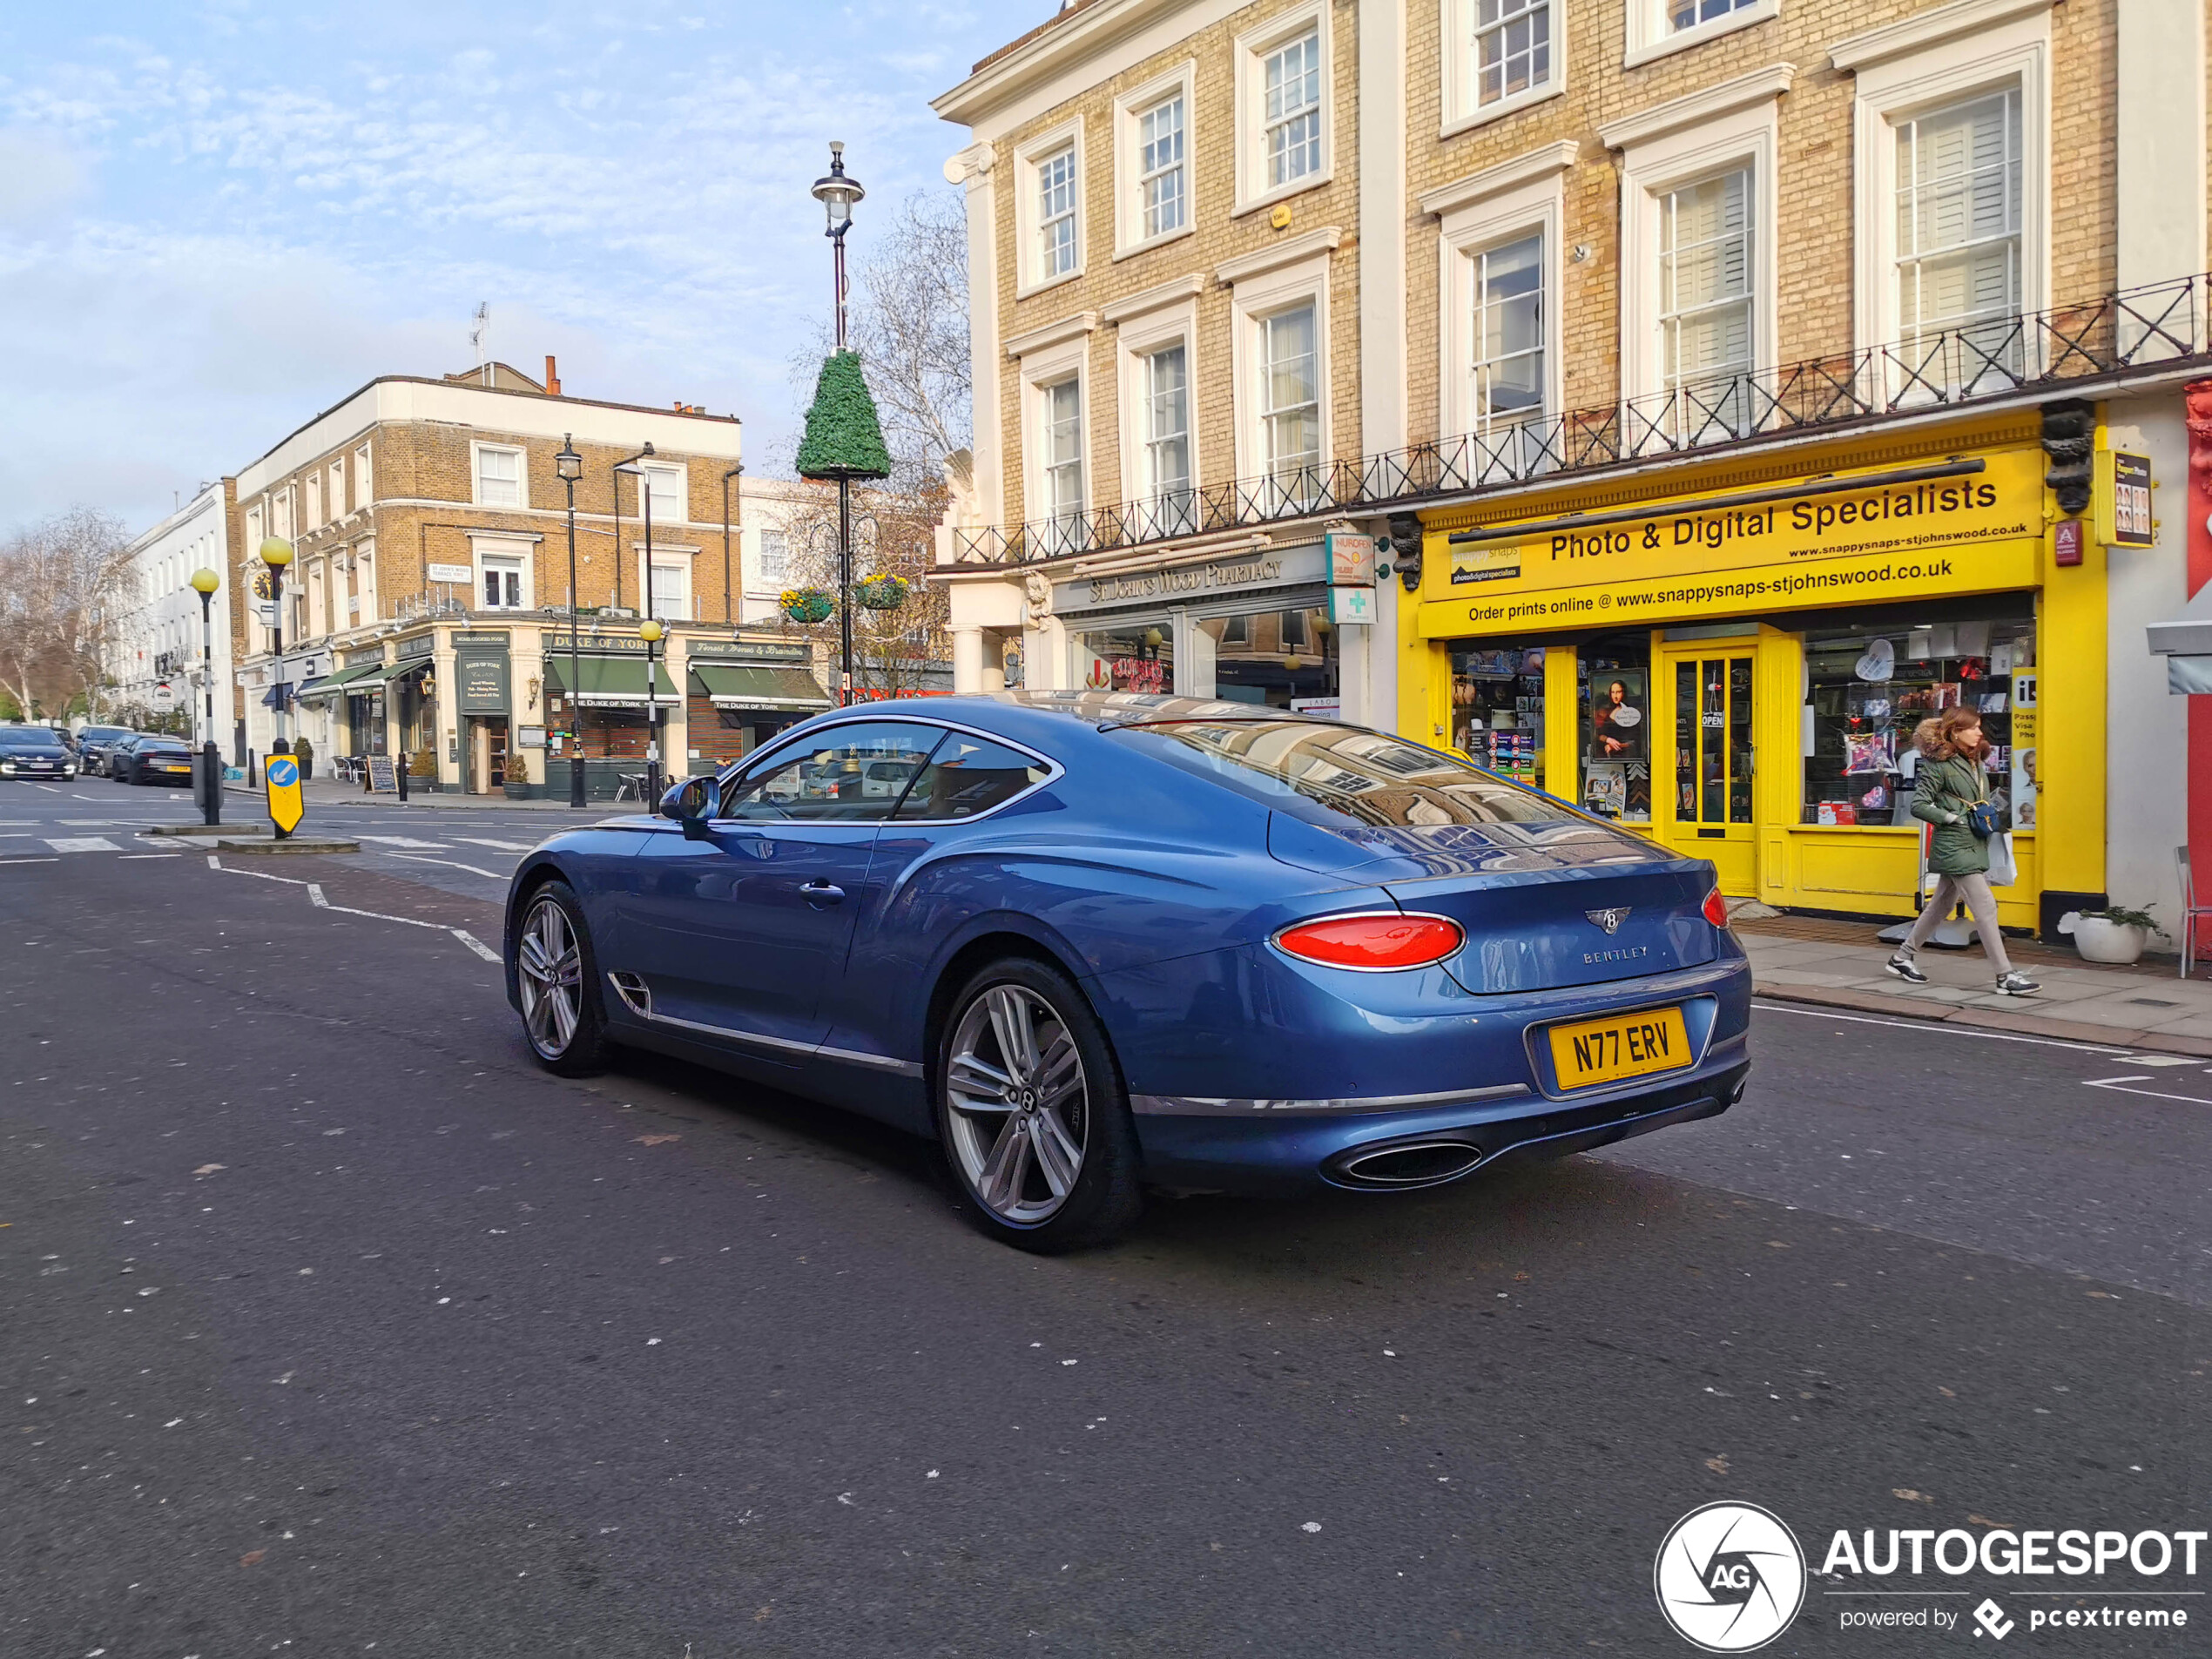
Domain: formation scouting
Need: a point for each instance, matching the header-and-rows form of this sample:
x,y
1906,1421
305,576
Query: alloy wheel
x,y
1020,1103
550,969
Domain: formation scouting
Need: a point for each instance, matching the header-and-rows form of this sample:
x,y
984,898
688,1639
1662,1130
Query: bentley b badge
x,y
1609,920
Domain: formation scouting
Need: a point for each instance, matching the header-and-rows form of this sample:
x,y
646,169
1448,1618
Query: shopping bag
x,y
2002,871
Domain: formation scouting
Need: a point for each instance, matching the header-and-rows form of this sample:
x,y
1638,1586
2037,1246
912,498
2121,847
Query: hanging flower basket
x,y
806,604
882,592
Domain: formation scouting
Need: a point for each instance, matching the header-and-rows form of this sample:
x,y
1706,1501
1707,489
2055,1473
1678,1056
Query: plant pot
x,y
807,605
2099,940
516,790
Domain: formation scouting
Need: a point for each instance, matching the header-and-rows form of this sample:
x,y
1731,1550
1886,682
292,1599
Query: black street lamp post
x,y
729,594
569,465
205,583
838,191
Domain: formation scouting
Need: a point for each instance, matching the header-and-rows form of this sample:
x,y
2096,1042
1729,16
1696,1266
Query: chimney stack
x,y
552,377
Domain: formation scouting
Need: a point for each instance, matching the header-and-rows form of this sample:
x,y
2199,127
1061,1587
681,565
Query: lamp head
x,y
568,465
838,190
204,582
651,632
276,551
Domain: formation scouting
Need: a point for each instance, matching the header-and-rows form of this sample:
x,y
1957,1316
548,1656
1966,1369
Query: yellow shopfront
x,y
1732,660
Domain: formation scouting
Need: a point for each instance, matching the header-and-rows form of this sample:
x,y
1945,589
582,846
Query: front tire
x,y
1032,1113
558,974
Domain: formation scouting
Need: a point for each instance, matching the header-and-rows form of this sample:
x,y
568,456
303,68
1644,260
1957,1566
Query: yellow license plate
x,y
1622,1045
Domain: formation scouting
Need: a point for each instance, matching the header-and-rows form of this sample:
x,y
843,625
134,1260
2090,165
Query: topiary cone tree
x,y
843,439
843,442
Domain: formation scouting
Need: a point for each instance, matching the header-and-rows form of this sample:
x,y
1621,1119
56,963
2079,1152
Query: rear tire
x,y
558,974
1032,1114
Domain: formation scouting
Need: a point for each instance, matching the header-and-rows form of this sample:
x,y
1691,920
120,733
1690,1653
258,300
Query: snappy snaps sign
x,y
1970,531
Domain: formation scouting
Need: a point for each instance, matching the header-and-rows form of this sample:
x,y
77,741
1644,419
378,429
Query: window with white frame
x,y
1508,371
671,597
1657,27
1959,216
336,495
1290,130
1057,195
1060,448
1512,47
315,501
502,582
663,488
1166,482
775,558
1290,404
364,491
1689,14
499,476
1706,284
1161,197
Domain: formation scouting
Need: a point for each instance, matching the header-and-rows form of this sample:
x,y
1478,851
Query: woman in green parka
x,y
1950,781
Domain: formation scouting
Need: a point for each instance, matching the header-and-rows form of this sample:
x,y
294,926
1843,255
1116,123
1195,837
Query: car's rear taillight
x,y
1716,909
1384,941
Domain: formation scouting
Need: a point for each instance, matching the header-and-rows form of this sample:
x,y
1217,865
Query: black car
x,y
151,760
34,751
93,743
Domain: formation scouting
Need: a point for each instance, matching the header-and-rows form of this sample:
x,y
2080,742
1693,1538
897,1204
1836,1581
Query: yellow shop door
x,y
1702,775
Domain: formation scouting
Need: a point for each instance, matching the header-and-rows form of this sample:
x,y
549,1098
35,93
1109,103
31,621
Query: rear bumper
x,y
1255,1152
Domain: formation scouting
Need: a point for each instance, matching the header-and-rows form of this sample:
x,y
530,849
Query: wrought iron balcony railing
x,y
2163,324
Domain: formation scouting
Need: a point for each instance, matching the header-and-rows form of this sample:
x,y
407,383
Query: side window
x,y
970,775
850,774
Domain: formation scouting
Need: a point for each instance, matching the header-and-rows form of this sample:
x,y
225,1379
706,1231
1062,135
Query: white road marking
x,y
153,855
2119,1086
497,846
1937,1025
81,844
416,858
475,944
30,860
405,841
320,901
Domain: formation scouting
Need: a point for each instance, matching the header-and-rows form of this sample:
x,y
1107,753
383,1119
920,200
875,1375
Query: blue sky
x,y
218,218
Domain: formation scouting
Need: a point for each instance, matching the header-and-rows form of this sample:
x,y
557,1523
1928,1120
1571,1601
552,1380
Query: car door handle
x,y
821,892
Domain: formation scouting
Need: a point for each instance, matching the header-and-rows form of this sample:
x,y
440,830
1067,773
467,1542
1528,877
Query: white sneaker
x,y
2016,984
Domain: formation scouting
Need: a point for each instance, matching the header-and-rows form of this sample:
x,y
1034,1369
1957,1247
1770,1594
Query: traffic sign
x,y
286,807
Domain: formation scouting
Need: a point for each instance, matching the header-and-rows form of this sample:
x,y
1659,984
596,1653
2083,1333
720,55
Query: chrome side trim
x,y
782,1045
875,1061
1201,1106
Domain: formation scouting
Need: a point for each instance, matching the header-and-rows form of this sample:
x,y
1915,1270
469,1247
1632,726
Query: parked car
x,y
1100,941
151,760
95,742
34,751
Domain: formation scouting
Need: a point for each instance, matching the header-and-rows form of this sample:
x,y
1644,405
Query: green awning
x,y
611,682
333,684
736,685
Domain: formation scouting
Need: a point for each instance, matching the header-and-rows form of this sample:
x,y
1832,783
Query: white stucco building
x,y
155,660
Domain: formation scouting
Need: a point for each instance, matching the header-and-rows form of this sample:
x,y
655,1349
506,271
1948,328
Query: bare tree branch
x,y
63,583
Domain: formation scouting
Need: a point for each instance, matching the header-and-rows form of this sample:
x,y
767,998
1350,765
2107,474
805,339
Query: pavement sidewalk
x,y
1839,965
328,792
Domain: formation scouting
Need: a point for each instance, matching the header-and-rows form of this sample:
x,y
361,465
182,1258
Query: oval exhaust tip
x,y
1419,1164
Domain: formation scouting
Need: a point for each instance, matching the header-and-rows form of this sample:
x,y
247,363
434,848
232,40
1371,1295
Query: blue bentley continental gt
x,y
1094,942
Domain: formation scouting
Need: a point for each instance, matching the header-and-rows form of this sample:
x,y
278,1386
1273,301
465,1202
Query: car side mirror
x,y
690,804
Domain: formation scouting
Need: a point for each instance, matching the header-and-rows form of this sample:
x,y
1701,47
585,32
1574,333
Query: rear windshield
x,y
1334,775
162,745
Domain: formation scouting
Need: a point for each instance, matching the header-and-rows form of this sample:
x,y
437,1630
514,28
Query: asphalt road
x,y
333,1326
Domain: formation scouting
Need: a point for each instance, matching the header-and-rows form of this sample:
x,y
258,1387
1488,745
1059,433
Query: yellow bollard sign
x,y
287,807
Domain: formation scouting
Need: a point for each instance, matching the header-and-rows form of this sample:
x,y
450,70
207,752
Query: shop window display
x,y
1497,710
1282,659
1613,690
1866,690
1139,657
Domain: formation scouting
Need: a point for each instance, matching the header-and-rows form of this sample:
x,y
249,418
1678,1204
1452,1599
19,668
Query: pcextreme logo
x,y
1729,1577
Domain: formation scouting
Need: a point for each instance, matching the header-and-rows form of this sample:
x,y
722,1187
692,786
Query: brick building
x,y
1640,328
428,610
